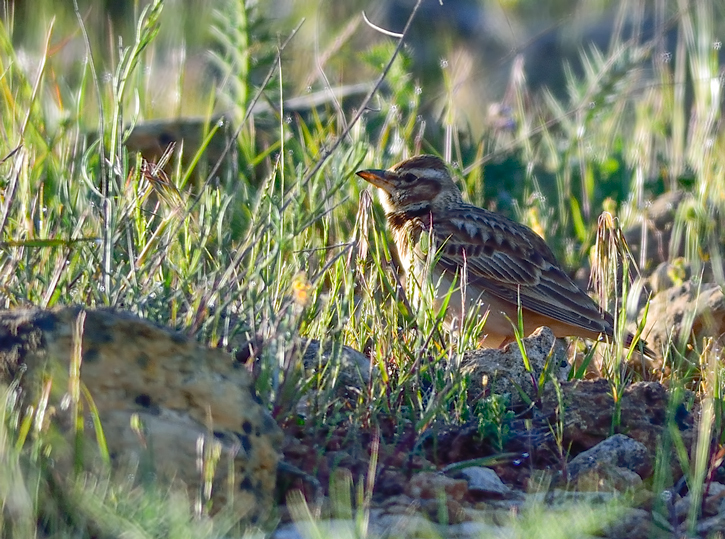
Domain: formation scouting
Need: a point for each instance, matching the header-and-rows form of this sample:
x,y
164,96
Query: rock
x,y
317,528
634,524
400,526
588,411
711,527
175,392
486,511
153,138
713,505
681,507
659,221
287,531
606,478
390,482
398,504
500,371
484,482
668,275
715,499
618,451
681,310
476,530
559,498
354,367
443,510
347,369
430,485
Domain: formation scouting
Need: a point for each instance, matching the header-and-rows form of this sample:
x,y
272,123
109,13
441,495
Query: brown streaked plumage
x,y
506,261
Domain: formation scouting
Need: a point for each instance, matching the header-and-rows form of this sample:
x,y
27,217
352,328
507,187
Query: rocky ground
x,y
443,484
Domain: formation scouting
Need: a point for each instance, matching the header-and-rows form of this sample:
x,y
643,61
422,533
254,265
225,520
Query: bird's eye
x,y
409,177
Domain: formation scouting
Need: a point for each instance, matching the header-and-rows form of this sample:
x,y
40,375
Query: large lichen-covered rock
x,y
163,400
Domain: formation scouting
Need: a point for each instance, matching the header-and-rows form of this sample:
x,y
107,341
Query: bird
x,y
506,263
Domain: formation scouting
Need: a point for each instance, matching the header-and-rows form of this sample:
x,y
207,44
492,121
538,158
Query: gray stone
x,y
338,528
634,524
354,367
410,525
618,451
477,530
711,527
484,481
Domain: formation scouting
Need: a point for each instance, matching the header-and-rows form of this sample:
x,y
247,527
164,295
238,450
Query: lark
x,y
506,263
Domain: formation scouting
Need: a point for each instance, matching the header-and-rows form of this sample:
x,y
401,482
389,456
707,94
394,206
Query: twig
x,y
381,30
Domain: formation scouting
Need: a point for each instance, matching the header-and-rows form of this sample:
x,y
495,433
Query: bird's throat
x,y
419,216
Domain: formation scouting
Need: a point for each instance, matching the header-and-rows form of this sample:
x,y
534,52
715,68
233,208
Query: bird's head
x,y
416,185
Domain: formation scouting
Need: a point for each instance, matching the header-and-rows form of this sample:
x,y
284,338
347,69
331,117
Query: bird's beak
x,y
378,177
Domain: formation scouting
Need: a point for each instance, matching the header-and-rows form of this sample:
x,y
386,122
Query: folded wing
x,y
509,261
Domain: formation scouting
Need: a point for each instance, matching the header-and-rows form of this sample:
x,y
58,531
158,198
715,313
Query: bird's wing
x,y
511,262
